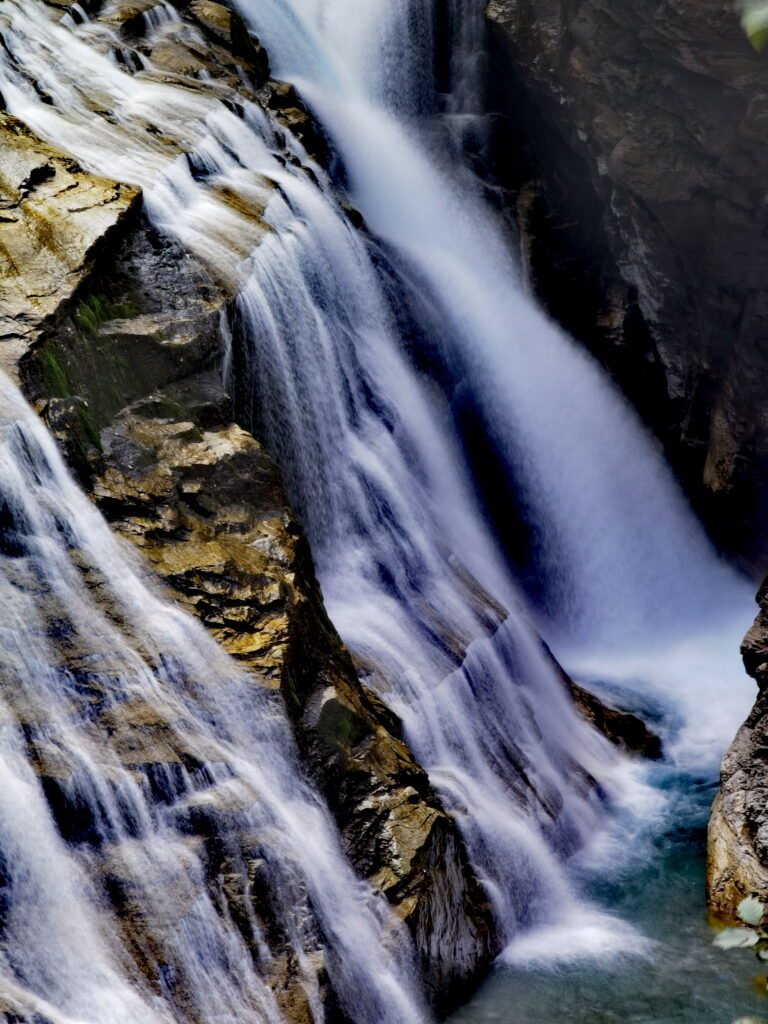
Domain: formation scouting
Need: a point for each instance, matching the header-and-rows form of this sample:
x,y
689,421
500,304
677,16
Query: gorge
x,y
260,298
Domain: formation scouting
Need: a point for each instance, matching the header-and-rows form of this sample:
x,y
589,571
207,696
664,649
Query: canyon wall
x,y
632,142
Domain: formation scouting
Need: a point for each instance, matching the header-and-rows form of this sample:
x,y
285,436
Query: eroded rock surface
x,y
54,221
738,828
634,140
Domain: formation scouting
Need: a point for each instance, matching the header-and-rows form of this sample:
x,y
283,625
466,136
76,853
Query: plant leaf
x,y
736,938
751,910
754,21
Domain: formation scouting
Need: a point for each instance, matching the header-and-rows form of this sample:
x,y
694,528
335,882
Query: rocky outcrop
x,y
54,222
623,729
738,828
633,142
115,338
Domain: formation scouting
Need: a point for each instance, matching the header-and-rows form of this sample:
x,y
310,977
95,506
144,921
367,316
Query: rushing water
x,y
224,751
682,978
361,359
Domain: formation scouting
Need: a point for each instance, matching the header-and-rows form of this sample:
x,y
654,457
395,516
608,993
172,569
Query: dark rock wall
x,y
632,139
631,144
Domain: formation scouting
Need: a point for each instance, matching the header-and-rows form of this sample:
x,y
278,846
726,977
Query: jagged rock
x,y
738,828
54,222
622,728
205,505
635,145
228,28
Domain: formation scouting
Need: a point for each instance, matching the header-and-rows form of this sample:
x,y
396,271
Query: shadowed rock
x,y
633,139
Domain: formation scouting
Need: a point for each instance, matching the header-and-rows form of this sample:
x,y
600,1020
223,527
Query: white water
x,y
634,589
370,448
62,954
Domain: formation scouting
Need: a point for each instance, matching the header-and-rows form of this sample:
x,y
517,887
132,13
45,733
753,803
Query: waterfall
x,y
356,357
225,753
631,581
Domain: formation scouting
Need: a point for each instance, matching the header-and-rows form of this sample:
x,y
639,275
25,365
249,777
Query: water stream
x,y
88,651
361,358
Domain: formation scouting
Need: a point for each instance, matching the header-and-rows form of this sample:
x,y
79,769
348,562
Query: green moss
x,y
290,693
162,408
54,373
89,428
339,726
94,310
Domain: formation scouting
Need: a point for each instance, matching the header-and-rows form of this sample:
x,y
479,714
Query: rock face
x,y
633,141
738,828
54,221
114,336
634,147
624,730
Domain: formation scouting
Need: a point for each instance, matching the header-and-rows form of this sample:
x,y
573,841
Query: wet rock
x,y
738,829
229,30
205,505
623,729
123,367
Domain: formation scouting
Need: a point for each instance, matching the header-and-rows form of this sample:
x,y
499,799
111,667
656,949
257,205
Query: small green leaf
x,y
736,938
754,21
751,910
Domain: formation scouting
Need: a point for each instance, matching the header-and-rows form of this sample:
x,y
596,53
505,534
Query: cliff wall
x,y
632,139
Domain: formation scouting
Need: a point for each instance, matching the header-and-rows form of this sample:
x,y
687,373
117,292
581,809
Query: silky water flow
x,y
329,324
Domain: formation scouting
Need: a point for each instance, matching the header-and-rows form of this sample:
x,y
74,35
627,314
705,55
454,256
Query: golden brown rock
x,y
54,221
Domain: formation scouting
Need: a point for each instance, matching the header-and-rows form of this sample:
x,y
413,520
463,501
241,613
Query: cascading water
x,y
370,448
409,570
225,752
627,567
